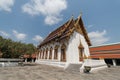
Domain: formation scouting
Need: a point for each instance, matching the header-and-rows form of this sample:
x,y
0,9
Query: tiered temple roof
x,y
66,30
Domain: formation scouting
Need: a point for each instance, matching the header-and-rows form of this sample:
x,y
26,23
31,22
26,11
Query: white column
x,y
44,54
114,62
59,54
25,59
48,54
32,60
41,55
53,54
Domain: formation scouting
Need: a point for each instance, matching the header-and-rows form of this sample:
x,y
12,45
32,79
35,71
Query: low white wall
x,y
94,64
52,63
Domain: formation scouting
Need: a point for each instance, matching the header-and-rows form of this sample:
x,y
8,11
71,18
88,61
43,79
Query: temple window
x,y
63,53
81,49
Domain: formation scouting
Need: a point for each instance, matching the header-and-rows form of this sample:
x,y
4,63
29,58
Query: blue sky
x,y
30,21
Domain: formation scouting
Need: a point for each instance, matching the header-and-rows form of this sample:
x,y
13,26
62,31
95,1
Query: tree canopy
x,y
13,49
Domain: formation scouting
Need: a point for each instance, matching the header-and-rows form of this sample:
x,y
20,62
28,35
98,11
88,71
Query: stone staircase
x,y
72,67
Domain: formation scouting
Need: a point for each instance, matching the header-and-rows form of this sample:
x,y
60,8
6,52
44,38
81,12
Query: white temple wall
x,y
85,45
73,51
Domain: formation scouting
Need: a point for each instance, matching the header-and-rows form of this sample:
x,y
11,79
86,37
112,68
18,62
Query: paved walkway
x,y
43,72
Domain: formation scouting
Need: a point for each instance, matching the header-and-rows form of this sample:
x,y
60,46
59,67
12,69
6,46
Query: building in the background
x,y
29,58
67,44
110,53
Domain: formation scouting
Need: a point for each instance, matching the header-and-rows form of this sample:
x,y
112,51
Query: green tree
x,y
12,49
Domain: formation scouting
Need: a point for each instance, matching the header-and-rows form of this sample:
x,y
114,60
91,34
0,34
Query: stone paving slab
x,y
43,72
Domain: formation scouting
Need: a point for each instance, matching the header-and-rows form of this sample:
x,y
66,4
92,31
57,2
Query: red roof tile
x,y
55,33
105,51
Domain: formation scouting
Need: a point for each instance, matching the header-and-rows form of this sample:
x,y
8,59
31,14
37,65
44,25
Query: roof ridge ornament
x,y
79,17
80,13
72,17
66,25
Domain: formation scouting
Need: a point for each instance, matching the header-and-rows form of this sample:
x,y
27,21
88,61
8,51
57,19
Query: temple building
x,y
109,52
67,44
68,47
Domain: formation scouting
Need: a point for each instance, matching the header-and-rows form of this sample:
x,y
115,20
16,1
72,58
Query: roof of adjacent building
x,y
110,44
29,56
65,31
106,51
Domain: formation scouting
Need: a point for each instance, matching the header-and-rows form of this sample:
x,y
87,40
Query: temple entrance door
x,y
63,55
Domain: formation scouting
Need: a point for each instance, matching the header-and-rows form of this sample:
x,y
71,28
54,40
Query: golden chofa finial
x,y
72,16
78,19
80,13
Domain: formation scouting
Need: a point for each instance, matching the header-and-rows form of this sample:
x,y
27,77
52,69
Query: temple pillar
x,y
44,54
32,60
25,59
48,55
59,54
114,62
53,54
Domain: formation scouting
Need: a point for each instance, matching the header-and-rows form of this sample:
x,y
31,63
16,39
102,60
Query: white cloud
x,y
52,20
90,26
38,38
98,37
6,5
51,9
4,34
19,36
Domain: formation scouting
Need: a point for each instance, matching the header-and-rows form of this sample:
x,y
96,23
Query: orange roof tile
x,y
105,51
